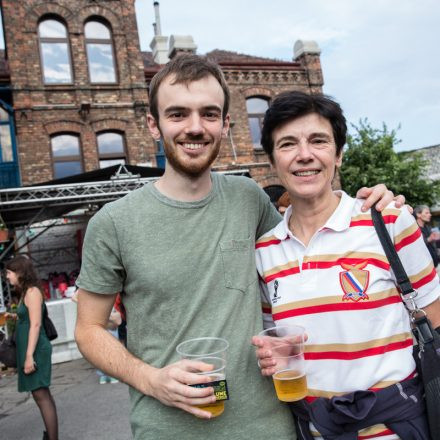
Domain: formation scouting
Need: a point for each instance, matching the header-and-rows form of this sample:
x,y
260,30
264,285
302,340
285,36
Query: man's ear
x,y
226,124
153,126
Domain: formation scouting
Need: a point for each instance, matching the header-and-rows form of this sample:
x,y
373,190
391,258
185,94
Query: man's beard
x,y
191,167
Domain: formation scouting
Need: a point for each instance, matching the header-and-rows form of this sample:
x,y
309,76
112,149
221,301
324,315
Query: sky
x,y
380,58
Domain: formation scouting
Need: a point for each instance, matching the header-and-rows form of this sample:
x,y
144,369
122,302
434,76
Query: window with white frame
x,y
66,155
111,149
256,108
56,62
100,53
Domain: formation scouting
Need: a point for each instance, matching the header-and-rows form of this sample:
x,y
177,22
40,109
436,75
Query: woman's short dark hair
x,y
288,106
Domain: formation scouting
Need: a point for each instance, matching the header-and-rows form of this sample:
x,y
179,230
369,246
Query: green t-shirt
x,y
187,270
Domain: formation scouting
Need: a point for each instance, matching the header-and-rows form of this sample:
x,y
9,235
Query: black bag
x,y
428,354
8,352
49,328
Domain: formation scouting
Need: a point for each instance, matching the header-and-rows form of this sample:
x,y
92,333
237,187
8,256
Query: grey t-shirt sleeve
x,y
269,216
101,269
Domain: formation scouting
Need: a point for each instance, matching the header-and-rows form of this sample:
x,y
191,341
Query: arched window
x,y
66,155
111,149
100,54
54,51
256,108
6,153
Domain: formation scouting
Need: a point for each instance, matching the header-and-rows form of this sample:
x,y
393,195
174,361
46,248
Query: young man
x,y
182,250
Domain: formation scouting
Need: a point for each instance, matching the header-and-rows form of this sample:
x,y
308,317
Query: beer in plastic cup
x,y
287,345
211,351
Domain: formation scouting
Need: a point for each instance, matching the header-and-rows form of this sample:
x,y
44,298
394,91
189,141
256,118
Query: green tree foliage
x,y
369,158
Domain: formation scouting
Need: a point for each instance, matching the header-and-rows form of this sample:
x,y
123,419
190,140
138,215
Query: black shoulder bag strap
x,y
427,356
423,330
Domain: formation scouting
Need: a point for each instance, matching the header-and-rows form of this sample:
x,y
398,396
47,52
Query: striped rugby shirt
x,y
341,289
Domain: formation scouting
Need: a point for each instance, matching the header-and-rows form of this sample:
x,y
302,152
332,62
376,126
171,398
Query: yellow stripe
x,y
405,233
372,430
329,394
360,217
348,254
385,212
265,239
288,265
334,299
391,211
423,273
348,348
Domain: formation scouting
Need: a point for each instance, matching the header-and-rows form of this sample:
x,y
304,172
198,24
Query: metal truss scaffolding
x,y
21,207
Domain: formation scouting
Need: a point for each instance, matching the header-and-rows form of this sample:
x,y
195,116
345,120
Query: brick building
x,y
73,91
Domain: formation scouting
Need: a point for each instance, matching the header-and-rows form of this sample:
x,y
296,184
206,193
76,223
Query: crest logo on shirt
x,y
275,297
354,281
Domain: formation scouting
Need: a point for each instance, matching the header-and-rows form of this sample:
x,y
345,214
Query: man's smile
x,y
193,145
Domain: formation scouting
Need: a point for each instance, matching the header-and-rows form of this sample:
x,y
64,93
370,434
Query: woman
x,y
323,268
34,350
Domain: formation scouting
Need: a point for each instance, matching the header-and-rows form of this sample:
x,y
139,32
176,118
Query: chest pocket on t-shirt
x,y
238,258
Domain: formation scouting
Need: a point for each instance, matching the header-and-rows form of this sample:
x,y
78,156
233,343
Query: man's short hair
x,y
288,106
186,68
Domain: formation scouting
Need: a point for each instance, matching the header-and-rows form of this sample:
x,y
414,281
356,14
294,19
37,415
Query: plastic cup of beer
x,y
211,351
287,345
2,315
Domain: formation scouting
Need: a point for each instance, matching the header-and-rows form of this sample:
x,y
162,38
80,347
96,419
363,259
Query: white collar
x,y
338,221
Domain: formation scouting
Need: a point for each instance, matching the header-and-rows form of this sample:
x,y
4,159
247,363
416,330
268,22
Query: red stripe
x,y
361,223
267,243
347,356
408,240
267,310
425,280
336,307
350,261
368,222
378,434
282,273
390,218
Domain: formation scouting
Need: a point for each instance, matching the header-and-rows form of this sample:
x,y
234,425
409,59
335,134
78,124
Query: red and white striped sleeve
x,y
415,258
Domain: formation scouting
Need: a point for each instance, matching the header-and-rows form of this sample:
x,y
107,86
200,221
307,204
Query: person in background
x,y
113,323
283,203
34,350
423,216
122,328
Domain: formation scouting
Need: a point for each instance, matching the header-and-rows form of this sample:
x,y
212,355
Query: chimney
x,y
157,28
181,44
159,43
307,53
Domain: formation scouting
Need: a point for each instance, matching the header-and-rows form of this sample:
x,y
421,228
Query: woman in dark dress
x,y
34,350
